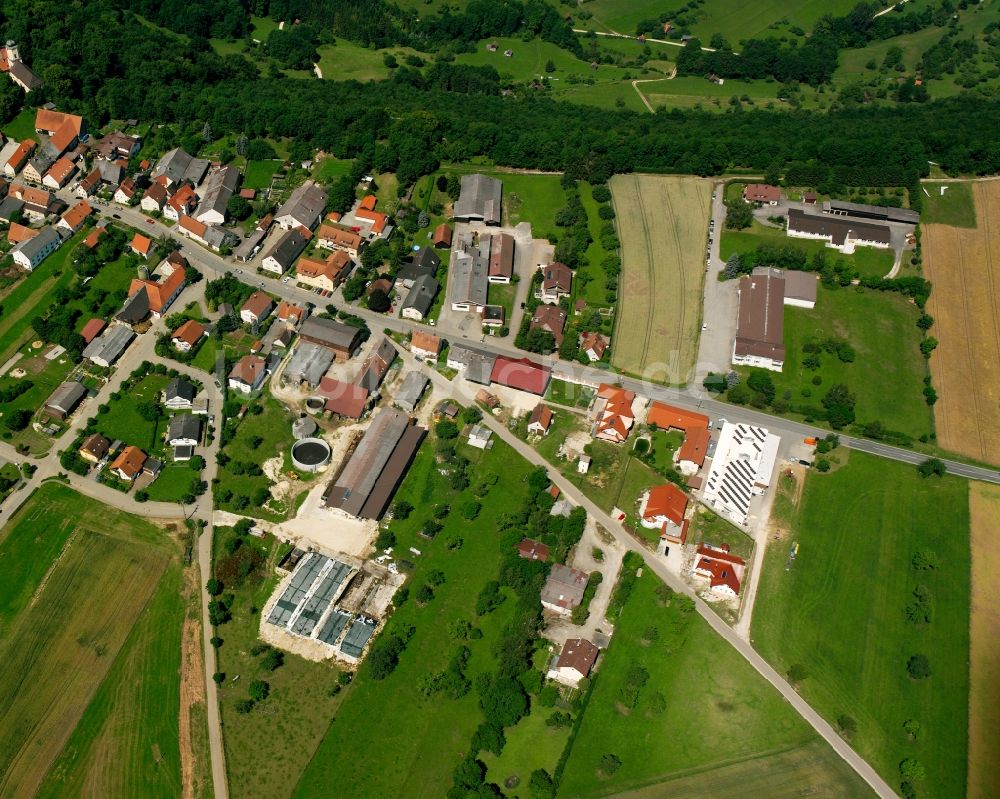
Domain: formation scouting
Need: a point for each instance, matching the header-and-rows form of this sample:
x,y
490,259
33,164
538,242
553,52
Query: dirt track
x,y
964,266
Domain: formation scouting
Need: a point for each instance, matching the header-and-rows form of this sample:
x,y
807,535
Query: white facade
x,y
761,361
271,264
741,469
211,217
149,205
847,248
567,675
31,257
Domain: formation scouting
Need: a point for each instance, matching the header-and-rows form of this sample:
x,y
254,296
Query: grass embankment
x,y
90,600
840,613
703,723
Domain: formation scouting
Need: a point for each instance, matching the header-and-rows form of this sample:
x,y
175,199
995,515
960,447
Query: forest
x,y
103,62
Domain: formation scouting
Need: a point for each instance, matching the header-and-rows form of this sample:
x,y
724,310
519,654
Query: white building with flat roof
x,y
744,461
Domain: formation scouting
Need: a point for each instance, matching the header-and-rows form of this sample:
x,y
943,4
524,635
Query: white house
x,y
723,569
248,374
575,662
184,431
31,252
479,436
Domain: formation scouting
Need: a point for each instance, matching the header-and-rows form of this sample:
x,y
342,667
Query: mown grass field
x,y
888,371
124,422
984,661
840,612
963,264
259,173
346,60
87,592
299,701
531,744
719,726
948,204
388,740
663,226
689,91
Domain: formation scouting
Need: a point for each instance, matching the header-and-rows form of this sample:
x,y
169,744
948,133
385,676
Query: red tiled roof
x,y
141,244
257,303
287,310
442,235
18,233
159,293
21,154
521,373
93,237
666,500
578,654
529,549
762,193
343,399
74,216
694,425
551,318
377,218
248,369
542,415
182,199
427,342
130,461
92,329
368,203
595,342
51,121
61,170
192,225
189,332
722,567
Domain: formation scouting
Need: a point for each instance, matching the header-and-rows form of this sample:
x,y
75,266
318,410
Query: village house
x,y
593,345
501,268
257,308
282,254
696,427
557,282
420,298
613,413
94,448
289,313
575,662
31,252
125,192
550,318
723,569
563,590
762,193
178,395
304,207
248,374
177,166
59,173
325,275
184,431
181,203
522,374
72,220
163,290
215,194
18,159
62,130
17,233
663,508
336,237
423,264
185,337
128,465
540,420
442,236
425,346
154,199
141,245
88,185
117,145
36,200
529,549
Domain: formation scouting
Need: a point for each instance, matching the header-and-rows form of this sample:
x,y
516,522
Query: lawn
x,y
614,93
22,126
82,602
45,375
173,483
33,295
888,371
300,691
869,261
572,394
388,740
662,273
703,710
595,292
330,168
840,612
689,91
124,422
531,744
503,294
344,60
245,493
948,204
259,173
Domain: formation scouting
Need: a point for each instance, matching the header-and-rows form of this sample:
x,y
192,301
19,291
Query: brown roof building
x,y
128,465
762,193
839,231
529,549
92,329
760,322
94,448
577,658
442,236
343,399
551,318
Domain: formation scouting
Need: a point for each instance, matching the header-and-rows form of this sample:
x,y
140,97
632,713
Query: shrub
x,y
214,587
610,763
918,667
259,690
244,706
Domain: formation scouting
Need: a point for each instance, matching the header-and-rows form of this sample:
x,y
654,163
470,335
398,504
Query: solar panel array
x,y
356,638
732,487
315,584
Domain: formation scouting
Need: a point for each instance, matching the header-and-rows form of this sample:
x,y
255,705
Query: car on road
x,y
116,216
261,284
239,271
285,279
150,222
704,327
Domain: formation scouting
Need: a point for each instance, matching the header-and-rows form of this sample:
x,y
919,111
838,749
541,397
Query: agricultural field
x,y
964,266
662,222
346,60
85,607
703,724
888,370
691,91
881,575
301,691
388,738
984,660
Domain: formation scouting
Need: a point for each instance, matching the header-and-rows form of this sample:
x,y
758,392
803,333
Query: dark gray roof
x,y
184,426
421,295
426,263
20,71
478,363
479,199
468,278
838,228
66,396
179,165
287,248
43,239
10,206
864,211
180,388
109,345
136,308
305,205
308,363
377,364
217,191
410,391
328,332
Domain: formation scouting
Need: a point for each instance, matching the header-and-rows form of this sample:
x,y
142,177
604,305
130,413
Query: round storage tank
x,y
310,454
315,404
303,427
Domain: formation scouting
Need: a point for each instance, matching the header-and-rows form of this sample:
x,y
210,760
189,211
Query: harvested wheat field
x,y
964,266
663,226
984,668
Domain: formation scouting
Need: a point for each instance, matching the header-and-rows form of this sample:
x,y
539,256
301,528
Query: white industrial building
x,y
741,469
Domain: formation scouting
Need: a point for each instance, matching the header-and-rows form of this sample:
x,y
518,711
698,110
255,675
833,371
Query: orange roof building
x,y
161,292
94,237
723,569
59,173
665,508
288,312
187,335
695,426
141,245
92,329
192,228
17,233
425,345
128,465
74,218
614,415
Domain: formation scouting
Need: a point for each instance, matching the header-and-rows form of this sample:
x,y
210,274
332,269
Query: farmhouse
x,y
257,307
248,374
371,224
108,348
557,282
522,374
760,322
723,569
420,298
469,274
36,201
741,469
162,291
410,392
425,345
18,159
117,145
59,173
73,219
185,337
17,233
193,229
63,130
154,198
128,465
304,207
340,338
181,204
177,167
501,258
550,318
374,369
376,467
575,662
31,252
307,364
663,509
92,330
125,192
282,254
215,195
141,245
563,590
424,264
840,232
335,237
540,420
479,200
94,448
613,413
762,193
343,399
474,364
64,400
690,457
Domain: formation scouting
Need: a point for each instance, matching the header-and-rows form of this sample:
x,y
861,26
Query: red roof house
x,y
92,329
723,569
521,373
695,426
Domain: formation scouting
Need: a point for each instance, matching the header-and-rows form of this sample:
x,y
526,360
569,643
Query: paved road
x,y
460,390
